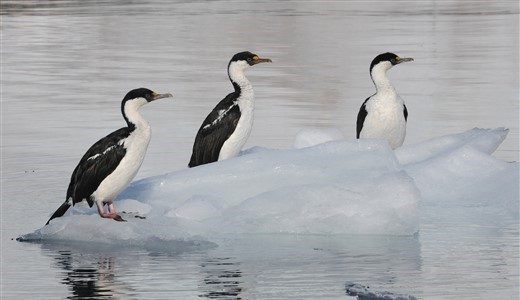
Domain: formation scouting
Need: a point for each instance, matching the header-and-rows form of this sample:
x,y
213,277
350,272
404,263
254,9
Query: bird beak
x,y
257,60
402,60
160,96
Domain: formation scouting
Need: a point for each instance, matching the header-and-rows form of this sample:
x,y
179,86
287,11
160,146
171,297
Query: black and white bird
x,y
226,129
383,115
113,161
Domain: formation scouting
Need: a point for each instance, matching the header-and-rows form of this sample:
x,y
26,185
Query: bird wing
x,y
362,114
214,131
405,113
98,162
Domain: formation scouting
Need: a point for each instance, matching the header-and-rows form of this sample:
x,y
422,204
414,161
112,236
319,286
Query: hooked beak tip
x,y
161,96
262,60
402,60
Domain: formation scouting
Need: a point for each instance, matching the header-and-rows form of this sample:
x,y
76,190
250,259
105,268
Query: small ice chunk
x,y
364,292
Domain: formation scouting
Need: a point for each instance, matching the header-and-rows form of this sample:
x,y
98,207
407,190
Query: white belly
x,y
385,121
136,145
237,140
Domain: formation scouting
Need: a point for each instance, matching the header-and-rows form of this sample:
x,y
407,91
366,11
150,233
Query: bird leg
x,y
111,208
112,211
111,214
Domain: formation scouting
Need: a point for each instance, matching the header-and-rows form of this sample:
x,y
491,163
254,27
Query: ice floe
x,y
326,185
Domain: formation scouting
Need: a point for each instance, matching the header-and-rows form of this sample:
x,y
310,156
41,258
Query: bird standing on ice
x,y
383,115
113,161
226,129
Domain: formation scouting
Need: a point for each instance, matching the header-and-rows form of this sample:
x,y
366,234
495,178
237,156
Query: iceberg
x,y
325,185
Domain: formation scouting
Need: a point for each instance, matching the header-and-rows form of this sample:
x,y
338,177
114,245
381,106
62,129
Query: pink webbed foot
x,y
111,214
118,218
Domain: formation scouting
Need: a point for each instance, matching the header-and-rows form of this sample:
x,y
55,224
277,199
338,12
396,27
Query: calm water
x,y
67,64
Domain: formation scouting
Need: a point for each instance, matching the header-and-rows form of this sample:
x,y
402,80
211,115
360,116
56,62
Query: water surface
x,y
67,64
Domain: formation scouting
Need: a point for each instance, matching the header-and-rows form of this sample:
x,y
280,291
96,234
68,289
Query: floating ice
x,y
483,140
458,178
156,234
364,293
337,187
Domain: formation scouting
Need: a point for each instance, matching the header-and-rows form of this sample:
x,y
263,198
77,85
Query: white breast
x,y
136,144
385,119
237,140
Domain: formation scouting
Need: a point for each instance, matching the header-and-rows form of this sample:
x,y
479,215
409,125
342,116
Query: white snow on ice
x,y
337,187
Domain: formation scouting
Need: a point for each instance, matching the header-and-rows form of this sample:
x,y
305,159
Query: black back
x,y
97,163
362,114
214,131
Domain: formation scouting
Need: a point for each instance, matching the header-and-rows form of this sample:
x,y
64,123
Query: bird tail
x,y
193,162
61,210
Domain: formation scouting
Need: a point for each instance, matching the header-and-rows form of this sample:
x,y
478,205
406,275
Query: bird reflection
x,y
89,277
221,279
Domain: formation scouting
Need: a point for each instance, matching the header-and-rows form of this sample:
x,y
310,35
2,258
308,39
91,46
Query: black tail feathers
x,y
60,211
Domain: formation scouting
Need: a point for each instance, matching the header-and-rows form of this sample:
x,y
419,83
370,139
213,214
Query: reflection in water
x,y
85,282
88,275
222,278
308,267
299,266
303,267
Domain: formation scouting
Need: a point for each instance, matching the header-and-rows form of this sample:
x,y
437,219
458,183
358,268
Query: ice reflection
x,y
242,267
311,267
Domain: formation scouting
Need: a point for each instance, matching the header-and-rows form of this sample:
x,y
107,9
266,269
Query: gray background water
x,y
67,64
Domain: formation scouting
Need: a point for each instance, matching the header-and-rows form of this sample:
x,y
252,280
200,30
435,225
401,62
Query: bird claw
x,y
118,218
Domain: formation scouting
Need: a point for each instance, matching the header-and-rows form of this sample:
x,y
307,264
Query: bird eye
x,y
249,59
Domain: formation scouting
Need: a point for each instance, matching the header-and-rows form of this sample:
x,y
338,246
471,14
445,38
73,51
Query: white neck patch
x,y
132,111
236,73
379,77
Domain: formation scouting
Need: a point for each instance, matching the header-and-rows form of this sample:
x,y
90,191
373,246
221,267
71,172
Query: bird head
x,y
244,60
386,61
142,96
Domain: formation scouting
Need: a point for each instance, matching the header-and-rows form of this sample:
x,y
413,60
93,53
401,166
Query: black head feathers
x,y
140,93
245,56
388,56
250,58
